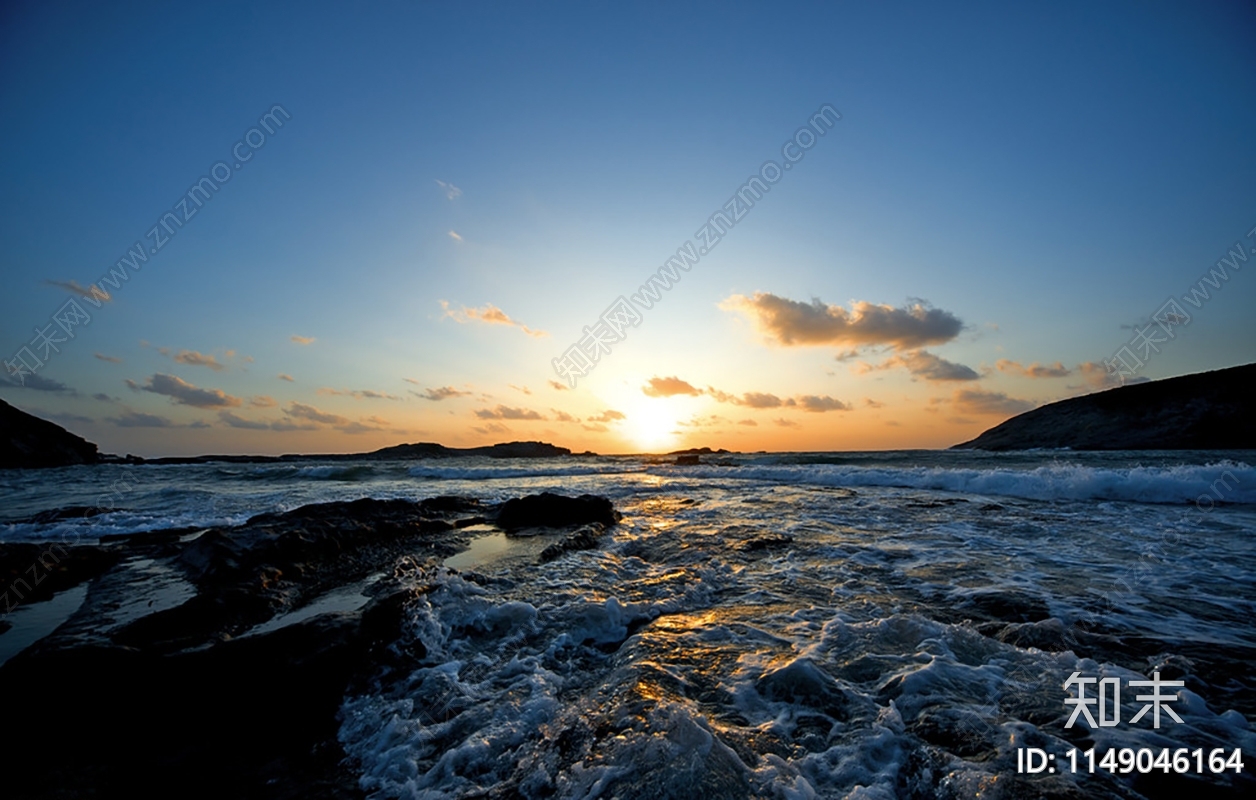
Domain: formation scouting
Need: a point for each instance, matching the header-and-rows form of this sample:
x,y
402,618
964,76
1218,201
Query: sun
x,y
652,426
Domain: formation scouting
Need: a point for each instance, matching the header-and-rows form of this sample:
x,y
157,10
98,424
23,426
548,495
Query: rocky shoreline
x,y
225,653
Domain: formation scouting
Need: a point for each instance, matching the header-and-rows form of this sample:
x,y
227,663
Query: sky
x,y
322,227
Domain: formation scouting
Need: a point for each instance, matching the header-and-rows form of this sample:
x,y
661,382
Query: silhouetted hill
x,y
1205,411
28,442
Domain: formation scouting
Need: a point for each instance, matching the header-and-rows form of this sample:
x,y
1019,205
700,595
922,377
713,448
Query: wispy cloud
x,y
303,340
489,315
669,387
137,419
283,376
672,386
792,323
195,359
451,191
236,421
1034,370
558,387
924,364
563,416
973,401
507,412
455,236
89,292
110,359
262,401
185,393
609,415
440,393
817,404
492,427
786,423
360,394
41,384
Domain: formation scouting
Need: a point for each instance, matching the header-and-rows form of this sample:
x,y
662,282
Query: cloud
x,y
924,364
1034,370
440,393
819,405
489,315
758,400
283,376
302,411
507,412
185,393
195,359
492,427
973,401
104,398
303,340
92,292
563,416
136,419
262,401
609,415
68,419
870,403
41,384
786,423
596,428
523,389
669,387
240,422
558,387
792,323
360,394
451,191
748,422
454,235
110,359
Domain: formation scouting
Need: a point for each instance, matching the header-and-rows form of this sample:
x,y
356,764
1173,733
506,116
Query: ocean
x,y
862,625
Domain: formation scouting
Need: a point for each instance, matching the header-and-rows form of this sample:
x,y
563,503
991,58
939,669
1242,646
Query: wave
x,y
430,472
1222,482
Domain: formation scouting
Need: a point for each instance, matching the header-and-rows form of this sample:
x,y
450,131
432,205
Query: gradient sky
x,y
1009,196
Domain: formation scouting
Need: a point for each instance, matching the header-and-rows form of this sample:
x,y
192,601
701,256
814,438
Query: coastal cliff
x,y
28,442
1205,411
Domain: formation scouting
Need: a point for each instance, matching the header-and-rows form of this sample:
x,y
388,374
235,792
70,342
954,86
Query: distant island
x,y
1205,411
28,442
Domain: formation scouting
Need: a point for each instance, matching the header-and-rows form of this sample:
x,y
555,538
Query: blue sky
x,y
1045,177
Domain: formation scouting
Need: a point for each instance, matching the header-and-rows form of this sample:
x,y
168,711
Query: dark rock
x,y
31,572
765,543
586,538
1205,411
132,723
28,442
688,460
802,681
548,510
1047,635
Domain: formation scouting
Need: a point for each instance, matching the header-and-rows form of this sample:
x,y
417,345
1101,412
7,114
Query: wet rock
x,y
548,510
1008,607
1047,635
30,572
802,681
585,538
691,460
760,543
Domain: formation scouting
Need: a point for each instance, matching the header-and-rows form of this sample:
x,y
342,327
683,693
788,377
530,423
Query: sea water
x,y
856,625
